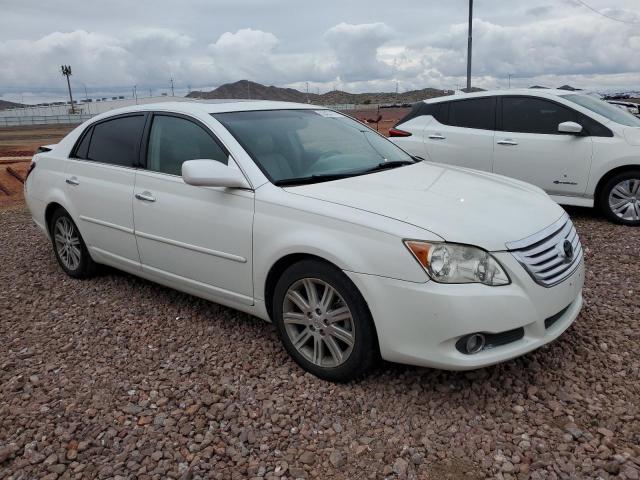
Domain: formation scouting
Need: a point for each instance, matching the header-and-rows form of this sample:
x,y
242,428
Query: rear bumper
x,y
420,323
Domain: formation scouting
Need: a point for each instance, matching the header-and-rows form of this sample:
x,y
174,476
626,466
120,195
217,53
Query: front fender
x,y
351,239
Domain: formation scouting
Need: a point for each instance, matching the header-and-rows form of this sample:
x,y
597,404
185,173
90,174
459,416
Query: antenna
x,y
469,45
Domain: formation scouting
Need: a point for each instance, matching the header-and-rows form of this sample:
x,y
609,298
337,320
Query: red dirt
x,y
390,117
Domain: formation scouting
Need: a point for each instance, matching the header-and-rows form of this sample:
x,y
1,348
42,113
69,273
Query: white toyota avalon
x,y
305,217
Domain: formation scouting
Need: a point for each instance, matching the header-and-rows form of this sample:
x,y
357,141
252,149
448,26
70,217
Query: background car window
x,y
174,140
421,109
605,109
117,141
534,115
473,113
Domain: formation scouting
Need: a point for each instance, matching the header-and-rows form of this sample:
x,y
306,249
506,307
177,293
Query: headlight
x,y
454,263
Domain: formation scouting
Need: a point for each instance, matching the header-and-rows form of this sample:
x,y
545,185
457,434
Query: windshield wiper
x,y
391,164
326,177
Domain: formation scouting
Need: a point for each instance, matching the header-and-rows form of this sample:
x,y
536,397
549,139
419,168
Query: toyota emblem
x,y
567,248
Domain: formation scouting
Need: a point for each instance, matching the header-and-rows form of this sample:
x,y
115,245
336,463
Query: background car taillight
x,y
32,165
396,132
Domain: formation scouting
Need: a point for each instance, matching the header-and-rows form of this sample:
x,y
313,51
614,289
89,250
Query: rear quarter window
x,y
478,113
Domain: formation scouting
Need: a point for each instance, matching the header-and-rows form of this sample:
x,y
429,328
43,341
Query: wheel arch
x,y
49,211
279,267
607,176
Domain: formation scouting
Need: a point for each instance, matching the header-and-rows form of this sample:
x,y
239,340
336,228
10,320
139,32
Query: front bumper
x,y
419,323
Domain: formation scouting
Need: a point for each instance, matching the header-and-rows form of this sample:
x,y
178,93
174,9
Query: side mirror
x,y
211,173
570,127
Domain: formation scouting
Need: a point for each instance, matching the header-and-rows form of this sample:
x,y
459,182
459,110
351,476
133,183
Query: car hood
x,y
457,204
632,134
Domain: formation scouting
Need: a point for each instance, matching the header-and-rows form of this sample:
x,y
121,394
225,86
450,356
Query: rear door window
x,y
117,141
534,115
476,113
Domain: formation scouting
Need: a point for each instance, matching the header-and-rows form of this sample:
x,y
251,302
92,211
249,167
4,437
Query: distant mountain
x,y
569,88
245,89
5,104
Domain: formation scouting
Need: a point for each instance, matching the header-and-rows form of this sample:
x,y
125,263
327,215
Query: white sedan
x,y
303,216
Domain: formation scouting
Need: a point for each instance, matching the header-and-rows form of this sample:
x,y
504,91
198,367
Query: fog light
x,y
474,343
471,344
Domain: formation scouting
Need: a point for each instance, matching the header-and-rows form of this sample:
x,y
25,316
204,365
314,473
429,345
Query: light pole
x,y
469,45
172,87
66,71
510,75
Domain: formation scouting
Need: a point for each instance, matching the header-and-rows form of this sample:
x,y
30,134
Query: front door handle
x,y
507,141
145,196
72,181
436,136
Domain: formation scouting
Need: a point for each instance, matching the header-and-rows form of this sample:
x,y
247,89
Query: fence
x,y
44,120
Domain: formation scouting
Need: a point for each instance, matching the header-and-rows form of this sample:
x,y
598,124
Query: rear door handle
x,y
145,196
507,141
72,181
436,136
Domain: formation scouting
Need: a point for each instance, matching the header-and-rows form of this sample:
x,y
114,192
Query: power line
x,y
605,15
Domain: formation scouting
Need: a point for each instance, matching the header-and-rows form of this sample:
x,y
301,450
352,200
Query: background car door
x,y
100,175
461,133
530,148
197,236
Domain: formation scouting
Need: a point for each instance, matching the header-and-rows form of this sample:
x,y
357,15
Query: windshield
x,y
310,144
605,109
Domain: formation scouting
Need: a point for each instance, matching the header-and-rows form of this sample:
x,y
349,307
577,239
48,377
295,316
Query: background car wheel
x,y
323,321
69,247
620,198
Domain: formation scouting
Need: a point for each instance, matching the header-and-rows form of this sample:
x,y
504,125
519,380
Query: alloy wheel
x,y
624,199
318,322
67,241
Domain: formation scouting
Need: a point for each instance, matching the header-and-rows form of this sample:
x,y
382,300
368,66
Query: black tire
x,y
603,200
85,267
364,351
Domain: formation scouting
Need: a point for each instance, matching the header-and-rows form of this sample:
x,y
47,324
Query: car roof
x,y
532,92
210,106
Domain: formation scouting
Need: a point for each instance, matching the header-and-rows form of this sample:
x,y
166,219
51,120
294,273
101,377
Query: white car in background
x,y
581,150
305,217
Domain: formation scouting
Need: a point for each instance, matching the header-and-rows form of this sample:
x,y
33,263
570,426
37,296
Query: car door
x,y
196,238
461,133
100,176
530,148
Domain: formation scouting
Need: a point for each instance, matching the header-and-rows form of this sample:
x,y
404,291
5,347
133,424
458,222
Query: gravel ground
x,y
116,377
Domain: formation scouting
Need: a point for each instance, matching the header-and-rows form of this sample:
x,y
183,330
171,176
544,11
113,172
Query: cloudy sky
x,y
354,45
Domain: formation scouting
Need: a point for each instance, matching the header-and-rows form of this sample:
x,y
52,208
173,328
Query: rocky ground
x,y
116,377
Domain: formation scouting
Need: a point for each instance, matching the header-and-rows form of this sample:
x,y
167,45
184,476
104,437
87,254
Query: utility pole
x,y
510,75
172,87
308,93
66,71
135,93
469,45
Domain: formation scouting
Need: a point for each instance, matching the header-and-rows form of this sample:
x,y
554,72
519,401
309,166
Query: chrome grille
x,y
543,254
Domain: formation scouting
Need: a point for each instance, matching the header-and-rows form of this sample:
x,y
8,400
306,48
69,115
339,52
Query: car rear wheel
x,y
324,322
69,247
620,198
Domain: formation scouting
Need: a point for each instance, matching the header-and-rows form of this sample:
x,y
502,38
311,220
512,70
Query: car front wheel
x,y
620,199
324,322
